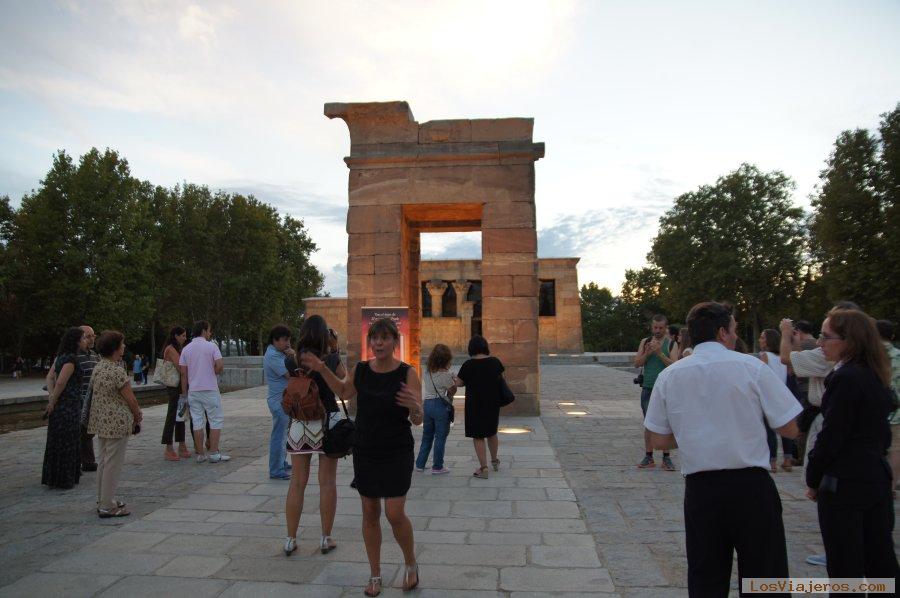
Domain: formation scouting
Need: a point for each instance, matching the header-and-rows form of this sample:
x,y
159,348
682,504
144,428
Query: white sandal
x,y
375,582
327,544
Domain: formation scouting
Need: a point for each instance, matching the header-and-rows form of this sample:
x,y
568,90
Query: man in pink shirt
x,y
200,362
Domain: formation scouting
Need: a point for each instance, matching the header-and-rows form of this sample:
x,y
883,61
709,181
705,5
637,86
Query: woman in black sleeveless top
x,y
388,398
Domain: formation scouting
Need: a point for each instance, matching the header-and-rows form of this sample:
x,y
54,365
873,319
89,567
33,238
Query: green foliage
x,y
848,226
95,245
740,240
608,323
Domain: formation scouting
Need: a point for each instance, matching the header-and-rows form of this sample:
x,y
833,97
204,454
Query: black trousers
x,y
87,448
728,510
857,522
171,427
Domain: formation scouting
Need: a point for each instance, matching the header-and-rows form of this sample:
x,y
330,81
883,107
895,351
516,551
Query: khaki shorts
x,y
895,438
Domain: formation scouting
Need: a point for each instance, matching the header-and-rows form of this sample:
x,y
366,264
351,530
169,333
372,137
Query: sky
x,y
637,102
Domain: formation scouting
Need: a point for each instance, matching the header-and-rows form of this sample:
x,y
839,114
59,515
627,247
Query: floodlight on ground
x,y
517,430
566,404
576,412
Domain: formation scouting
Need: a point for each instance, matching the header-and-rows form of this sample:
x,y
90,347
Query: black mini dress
x,y
383,444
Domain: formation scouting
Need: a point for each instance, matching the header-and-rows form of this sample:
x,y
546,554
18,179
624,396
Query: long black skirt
x,y
62,454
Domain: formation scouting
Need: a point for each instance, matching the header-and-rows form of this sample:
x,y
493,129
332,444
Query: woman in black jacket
x,y
847,472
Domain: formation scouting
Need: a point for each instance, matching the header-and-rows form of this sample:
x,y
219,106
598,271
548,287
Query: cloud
x,y
451,246
336,280
295,200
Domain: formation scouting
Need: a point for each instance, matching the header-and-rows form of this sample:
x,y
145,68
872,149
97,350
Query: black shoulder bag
x,y
506,393
338,441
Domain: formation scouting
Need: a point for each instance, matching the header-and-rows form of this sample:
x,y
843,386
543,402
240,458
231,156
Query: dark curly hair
x,y
69,343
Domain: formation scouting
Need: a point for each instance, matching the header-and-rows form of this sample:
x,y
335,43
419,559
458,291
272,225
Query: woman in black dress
x,y
62,455
388,398
847,473
481,377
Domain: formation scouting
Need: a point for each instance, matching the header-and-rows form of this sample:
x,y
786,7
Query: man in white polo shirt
x,y
711,407
200,362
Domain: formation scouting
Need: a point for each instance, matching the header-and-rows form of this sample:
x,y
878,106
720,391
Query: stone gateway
x,y
408,178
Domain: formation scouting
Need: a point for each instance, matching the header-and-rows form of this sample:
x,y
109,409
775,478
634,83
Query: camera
x,y
639,379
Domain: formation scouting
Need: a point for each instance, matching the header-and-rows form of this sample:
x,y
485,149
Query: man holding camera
x,y
653,356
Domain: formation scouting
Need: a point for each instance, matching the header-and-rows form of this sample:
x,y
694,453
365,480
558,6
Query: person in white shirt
x,y
710,407
769,346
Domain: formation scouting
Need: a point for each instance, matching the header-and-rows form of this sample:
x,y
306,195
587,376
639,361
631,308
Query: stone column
x,y
436,289
462,289
466,309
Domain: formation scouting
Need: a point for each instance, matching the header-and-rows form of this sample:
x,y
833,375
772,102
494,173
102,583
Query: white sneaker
x,y
816,559
290,545
201,458
218,457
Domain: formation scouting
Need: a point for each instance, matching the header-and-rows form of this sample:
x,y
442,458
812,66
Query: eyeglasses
x,y
825,337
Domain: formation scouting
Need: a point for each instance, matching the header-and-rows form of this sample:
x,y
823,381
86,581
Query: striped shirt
x,y
86,362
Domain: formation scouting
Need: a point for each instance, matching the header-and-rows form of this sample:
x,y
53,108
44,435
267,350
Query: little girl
x,y
437,390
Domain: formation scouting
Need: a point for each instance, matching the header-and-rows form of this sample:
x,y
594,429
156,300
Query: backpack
x,y
300,399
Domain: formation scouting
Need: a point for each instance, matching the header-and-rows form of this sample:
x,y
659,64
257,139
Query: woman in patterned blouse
x,y
115,415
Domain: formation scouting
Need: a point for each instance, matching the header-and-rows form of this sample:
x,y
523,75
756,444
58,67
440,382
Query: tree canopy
x,y
95,245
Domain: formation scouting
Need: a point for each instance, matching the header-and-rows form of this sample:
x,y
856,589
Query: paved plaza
x,y
568,514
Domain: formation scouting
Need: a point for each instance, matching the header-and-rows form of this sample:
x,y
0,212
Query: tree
x,y
848,224
890,196
79,251
95,245
739,240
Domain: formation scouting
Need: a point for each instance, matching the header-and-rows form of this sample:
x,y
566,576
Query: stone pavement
x,y
634,515
210,530
217,530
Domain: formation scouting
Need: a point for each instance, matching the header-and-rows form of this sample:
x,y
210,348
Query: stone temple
x,y
408,178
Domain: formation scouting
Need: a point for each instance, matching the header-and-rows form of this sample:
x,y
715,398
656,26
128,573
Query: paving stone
x,y
256,569
551,539
215,502
551,509
533,579
239,517
250,530
482,508
224,488
523,494
70,585
153,587
277,589
192,515
569,526
457,524
353,574
432,537
458,577
565,556
124,563
171,527
472,554
193,566
508,538
128,541
199,545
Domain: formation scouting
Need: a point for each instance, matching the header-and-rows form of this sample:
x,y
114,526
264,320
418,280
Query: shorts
x,y
895,438
206,403
645,399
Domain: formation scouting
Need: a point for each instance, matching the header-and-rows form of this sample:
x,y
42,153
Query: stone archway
x,y
408,178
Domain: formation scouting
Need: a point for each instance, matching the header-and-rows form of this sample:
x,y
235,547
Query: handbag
x,y
338,440
450,399
506,393
166,373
